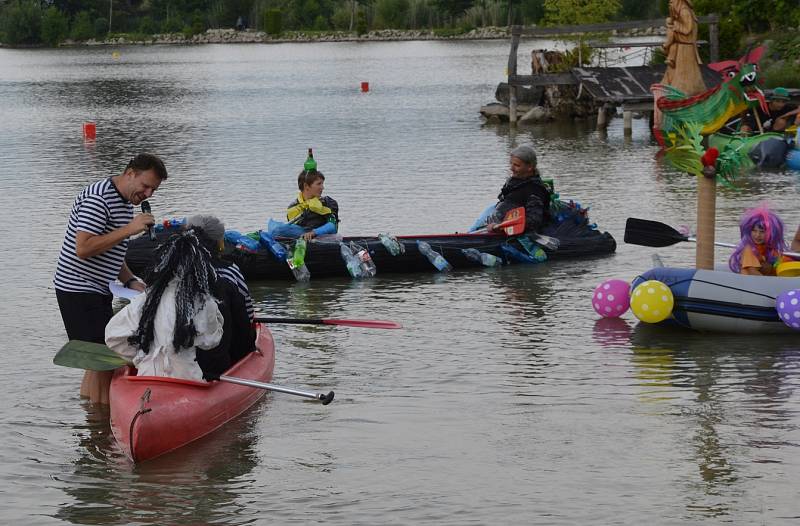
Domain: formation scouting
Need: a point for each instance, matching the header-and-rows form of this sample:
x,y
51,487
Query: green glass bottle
x,y
310,163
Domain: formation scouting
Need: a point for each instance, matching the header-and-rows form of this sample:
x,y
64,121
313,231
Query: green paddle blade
x,y
88,355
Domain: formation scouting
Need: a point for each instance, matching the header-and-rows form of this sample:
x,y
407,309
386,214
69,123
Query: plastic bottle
x,y
301,273
310,163
273,246
296,261
247,244
392,245
515,254
368,268
299,253
434,257
353,265
484,258
170,224
232,236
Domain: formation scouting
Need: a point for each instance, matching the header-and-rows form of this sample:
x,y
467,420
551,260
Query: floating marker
x,y
89,131
115,54
364,87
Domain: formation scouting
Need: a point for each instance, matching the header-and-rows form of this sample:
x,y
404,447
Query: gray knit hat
x,y
524,153
212,227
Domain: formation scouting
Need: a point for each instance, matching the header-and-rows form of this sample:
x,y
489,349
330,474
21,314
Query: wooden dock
x,y
611,87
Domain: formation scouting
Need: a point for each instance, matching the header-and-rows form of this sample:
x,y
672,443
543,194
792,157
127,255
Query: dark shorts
x,y
85,315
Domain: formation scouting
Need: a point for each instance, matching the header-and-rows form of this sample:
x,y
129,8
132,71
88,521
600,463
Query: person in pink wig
x,y
762,245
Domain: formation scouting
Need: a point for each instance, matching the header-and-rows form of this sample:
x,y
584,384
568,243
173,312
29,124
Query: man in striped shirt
x,y
93,254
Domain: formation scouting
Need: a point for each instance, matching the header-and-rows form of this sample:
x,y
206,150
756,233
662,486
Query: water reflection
x,y
612,332
732,380
198,483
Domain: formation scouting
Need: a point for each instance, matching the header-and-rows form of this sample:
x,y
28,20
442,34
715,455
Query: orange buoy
x,y
89,130
364,87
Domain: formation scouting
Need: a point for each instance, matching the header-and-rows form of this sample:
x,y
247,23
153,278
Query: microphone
x,y
146,209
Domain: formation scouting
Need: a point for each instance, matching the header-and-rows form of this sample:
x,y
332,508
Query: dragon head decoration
x,y
712,108
687,119
746,81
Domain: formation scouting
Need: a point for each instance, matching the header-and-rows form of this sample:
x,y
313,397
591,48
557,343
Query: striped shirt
x,y
235,276
98,210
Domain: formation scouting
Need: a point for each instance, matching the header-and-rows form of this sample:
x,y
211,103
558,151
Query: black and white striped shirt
x,y
98,210
233,274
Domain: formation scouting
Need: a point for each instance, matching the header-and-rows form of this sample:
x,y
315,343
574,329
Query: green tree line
x,y
49,22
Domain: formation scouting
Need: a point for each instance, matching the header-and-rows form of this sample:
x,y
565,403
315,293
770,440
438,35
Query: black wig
x,y
185,259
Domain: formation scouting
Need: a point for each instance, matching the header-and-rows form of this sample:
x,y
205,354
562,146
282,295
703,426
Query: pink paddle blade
x,y
372,324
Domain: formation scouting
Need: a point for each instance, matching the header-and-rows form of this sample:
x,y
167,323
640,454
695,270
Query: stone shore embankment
x,y
232,36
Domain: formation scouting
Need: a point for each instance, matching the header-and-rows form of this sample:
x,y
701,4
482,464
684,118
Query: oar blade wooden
x,y
88,355
651,233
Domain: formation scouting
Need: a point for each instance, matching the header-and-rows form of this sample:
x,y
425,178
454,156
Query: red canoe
x,y
152,415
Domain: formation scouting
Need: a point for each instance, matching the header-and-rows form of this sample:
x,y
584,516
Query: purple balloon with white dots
x,y
788,306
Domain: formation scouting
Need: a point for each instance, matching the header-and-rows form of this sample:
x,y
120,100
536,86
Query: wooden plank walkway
x,y
630,84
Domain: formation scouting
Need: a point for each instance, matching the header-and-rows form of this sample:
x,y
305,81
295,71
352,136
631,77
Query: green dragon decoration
x,y
686,120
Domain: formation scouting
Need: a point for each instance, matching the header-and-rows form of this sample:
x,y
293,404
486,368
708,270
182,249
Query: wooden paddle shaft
x,y
706,219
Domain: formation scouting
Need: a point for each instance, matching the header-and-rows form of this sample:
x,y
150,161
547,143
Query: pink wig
x,y
773,236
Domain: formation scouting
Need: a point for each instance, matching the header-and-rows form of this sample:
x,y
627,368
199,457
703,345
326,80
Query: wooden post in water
x,y
516,31
627,122
706,219
602,117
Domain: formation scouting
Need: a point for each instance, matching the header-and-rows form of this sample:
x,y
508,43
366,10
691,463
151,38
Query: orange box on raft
x,y
89,130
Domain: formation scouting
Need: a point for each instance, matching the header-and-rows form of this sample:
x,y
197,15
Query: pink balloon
x,y
611,298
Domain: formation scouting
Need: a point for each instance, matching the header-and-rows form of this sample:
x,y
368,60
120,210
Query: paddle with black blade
x,y
654,234
514,224
98,357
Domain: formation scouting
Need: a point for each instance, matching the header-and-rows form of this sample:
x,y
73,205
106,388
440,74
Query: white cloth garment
x,y
162,360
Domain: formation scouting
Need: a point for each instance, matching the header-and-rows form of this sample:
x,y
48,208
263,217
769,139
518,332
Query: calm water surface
x,y
504,400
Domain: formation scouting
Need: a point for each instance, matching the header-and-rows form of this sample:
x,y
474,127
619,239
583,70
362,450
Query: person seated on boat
x,y
311,214
212,233
761,246
781,115
524,188
189,322
796,241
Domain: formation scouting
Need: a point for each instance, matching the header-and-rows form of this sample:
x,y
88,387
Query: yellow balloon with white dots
x,y
652,301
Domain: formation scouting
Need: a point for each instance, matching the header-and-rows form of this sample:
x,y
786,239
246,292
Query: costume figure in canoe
x,y
189,323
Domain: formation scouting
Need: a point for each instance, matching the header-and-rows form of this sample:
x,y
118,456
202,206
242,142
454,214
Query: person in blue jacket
x,y
311,214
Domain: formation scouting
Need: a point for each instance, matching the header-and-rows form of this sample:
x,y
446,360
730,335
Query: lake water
x,y
504,400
